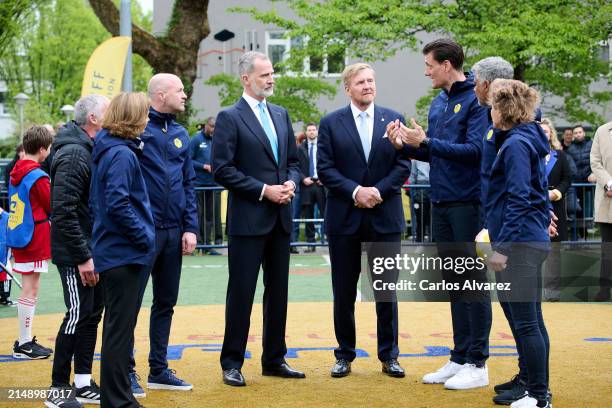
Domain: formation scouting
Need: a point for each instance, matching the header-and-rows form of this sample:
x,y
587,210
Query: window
x,y
278,48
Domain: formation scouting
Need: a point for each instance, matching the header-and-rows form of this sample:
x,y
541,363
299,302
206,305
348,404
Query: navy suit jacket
x,y
342,166
242,162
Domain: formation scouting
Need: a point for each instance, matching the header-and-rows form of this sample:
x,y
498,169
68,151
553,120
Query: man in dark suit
x,y
254,156
313,192
363,174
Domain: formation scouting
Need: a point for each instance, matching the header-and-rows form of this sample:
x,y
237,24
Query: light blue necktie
x,y
268,129
364,134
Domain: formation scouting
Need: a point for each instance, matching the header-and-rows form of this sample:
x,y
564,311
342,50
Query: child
x,y
29,233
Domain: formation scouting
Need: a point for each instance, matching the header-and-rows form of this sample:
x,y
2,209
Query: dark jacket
x,y
581,153
560,178
168,172
517,201
342,166
307,193
200,148
456,125
243,161
123,230
70,176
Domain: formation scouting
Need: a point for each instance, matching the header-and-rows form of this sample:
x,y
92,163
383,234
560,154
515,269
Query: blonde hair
x,y
126,116
554,139
351,70
515,101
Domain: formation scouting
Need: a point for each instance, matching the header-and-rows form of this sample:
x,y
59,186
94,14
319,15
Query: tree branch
x,y
143,43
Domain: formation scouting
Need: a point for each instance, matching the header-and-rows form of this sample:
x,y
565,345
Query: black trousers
x,y
454,228
246,255
209,216
315,195
345,255
119,285
165,272
524,273
78,332
605,279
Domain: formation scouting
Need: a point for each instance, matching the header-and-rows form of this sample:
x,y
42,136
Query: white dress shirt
x,y
370,118
254,105
314,156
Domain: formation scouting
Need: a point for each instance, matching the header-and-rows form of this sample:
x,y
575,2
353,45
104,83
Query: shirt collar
x,y
253,103
356,111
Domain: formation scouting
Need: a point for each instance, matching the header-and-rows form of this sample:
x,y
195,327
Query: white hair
x,y
492,68
89,104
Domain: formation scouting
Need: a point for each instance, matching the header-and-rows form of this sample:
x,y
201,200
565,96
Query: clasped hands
x,y
367,197
399,134
280,193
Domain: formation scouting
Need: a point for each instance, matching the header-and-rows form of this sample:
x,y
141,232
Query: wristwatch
x,y
425,143
606,188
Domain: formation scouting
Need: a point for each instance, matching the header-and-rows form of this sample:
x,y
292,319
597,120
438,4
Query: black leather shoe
x,y
282,370
233,377
294,250
342,368
392,368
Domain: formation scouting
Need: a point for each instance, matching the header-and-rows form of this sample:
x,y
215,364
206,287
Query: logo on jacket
x,y
178,143
457,108
17,211
490,134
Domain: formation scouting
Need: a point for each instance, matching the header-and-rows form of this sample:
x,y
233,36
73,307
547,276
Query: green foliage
x,y
552,44
47,59
298,94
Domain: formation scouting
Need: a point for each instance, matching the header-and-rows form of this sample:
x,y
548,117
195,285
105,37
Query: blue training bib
x,y
21,220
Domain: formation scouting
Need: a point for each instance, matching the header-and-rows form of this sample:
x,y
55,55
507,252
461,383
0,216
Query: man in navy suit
x,y
254,156
363,173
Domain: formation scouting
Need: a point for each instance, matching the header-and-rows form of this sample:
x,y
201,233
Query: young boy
x,y
29,233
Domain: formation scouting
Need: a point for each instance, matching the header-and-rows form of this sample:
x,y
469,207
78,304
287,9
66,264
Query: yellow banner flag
x,y
104,71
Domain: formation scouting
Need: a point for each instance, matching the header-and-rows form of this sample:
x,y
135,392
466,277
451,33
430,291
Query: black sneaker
x,y
507,397
7,302
62,397
31,350
89,394
507,386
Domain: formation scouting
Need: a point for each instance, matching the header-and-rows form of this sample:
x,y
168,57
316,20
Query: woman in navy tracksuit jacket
x,y
123,237
518,219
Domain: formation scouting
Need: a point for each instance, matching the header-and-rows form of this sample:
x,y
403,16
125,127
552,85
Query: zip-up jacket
x,y
517,201
123,229
456,125
168,172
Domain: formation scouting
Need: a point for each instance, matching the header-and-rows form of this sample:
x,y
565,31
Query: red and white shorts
x,y
26,268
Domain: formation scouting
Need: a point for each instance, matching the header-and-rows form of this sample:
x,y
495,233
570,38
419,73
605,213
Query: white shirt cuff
x,y
355,192
263,190
610,184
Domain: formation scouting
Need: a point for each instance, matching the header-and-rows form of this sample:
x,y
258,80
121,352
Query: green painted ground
x,y
204,282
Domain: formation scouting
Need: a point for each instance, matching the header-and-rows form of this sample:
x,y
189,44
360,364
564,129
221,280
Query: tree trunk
x,y
176,52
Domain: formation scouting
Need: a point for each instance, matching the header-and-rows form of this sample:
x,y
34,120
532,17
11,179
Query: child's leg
x,y
27,304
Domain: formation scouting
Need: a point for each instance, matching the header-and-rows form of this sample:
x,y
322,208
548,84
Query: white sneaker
x,y
443,374
468,377
528,402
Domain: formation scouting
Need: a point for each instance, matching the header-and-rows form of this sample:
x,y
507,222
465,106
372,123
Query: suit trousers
x,y
246,255
119,285
345,255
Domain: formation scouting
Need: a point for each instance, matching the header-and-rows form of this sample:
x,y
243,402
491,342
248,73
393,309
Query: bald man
x,y
168,173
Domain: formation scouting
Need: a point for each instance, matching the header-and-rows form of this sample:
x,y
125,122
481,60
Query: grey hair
x,y
87,105
492,68
247,60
